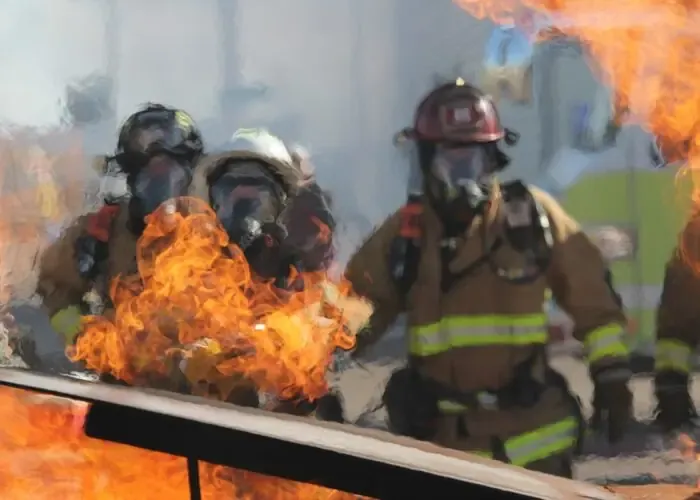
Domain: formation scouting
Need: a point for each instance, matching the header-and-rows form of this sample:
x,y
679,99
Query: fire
x,y
45,455
647,50
687,447
195,289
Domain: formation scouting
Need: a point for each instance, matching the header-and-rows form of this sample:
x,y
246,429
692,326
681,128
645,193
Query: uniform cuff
x,y
606,342
673,355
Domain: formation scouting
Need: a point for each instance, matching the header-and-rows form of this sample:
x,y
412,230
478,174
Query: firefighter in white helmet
x,y
265,196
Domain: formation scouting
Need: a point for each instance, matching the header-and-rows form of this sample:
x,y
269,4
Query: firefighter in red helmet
x,y
469,261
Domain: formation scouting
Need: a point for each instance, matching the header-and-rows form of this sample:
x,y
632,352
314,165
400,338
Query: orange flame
x,y
687,447
647,50
45,455
189,292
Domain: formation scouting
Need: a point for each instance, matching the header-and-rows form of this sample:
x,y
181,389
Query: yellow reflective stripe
x,y
673,355
447,407
468,331
544,442
67,323
606,341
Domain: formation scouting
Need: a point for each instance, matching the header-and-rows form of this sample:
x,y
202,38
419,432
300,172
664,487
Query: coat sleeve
x,y
678,315
59,284
580,282
369,273
311,227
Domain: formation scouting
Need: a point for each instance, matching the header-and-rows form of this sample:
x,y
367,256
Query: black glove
x,y
411,406
612,401
675,406
330,408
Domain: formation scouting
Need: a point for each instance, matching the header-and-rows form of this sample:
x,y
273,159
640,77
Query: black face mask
x,y
163,178
458,180
247,207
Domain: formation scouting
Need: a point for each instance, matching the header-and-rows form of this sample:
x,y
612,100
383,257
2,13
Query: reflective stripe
x,y
484,400
673,355
67,323
606,341
544,442
449,407
468,331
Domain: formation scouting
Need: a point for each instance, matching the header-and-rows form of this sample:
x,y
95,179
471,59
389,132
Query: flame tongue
x,y
45,455
193,285
647,50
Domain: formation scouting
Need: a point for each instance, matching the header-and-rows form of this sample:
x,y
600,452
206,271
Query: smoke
x,y
339,78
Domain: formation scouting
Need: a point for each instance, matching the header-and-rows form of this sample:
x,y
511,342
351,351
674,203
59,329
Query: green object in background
x,y
653,206
67,323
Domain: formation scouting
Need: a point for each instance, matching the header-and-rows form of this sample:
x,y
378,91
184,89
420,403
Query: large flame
x,y
647,50
195,289
55,193
45,455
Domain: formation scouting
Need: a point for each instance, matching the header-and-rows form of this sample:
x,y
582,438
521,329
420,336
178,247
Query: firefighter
x,y
157,149
469,262
272,208
270,205
677,322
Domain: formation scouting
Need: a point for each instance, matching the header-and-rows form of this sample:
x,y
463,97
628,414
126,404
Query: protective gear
x,y
412,407
612,401
267,204
163,178
67,323
97,243
273,210
677,331
457,113
63,288
526,229
157,129
457,128
246,201
675,406
457,176
330,408
157,149
475,335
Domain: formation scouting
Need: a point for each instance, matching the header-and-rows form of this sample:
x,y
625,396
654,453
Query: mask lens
x,y
242,205
459,166
162,179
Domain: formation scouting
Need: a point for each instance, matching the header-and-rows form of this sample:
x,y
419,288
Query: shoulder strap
x,y
99,224
405,251
522,211
91,249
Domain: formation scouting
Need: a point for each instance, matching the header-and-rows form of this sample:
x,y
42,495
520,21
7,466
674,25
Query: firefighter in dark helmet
x,y
158,148
469,261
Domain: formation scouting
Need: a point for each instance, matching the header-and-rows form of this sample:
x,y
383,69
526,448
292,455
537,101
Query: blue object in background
x,y
508,65
580,115
508,46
